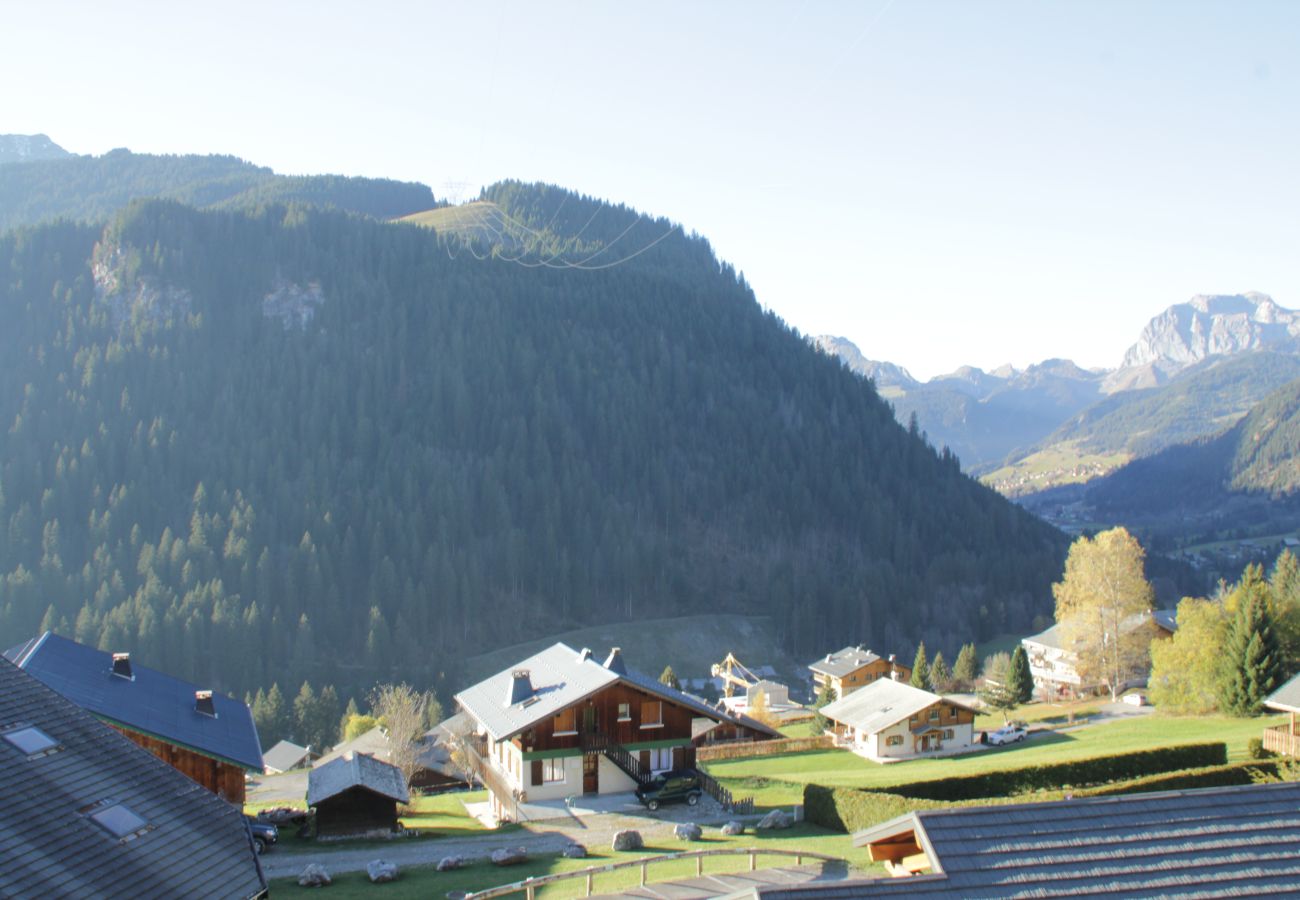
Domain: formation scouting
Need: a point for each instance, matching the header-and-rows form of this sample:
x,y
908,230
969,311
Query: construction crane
x,y
734,675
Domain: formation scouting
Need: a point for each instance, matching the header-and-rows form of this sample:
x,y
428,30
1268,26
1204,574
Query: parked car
x,y
264,833
1007,734
671,787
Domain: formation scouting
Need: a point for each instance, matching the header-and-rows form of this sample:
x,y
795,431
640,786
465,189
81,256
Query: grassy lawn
x,y
1046,714
779,780
426,881
798,729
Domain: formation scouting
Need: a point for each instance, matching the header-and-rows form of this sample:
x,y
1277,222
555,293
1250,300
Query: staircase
x,y
619,755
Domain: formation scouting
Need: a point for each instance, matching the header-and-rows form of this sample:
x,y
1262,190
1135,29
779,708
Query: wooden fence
x,y
742,807
763,748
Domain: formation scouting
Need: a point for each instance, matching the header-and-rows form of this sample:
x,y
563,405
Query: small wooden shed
x,y
354,794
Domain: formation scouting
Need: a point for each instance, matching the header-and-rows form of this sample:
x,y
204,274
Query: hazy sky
x,y
941,182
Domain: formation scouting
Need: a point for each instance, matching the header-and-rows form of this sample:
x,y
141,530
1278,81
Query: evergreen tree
x,y
921,670
273,723
995,691
669,677
967,668
349,713
1020,681
825,696
940,677
304,715
1251,659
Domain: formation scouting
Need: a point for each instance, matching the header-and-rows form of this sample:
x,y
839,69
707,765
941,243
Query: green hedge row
x,y
1230,775
1073,773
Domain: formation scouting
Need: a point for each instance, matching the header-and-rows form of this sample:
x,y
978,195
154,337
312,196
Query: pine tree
x,y
669,677
967,669
825,697
940,677
1020,681
349,713
273,722
994,691
1252,666
921,670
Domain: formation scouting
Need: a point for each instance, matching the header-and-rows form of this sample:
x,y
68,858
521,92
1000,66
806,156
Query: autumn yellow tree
x,y
1100,602
1185,669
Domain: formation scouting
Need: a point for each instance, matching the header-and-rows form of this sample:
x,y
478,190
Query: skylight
x,y
30,740
119,821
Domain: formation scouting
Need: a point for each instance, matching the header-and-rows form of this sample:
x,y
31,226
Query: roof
x,y
356,770
842,662
372,743
195,845
284,756
1287,697
150,702
1166,619
560,677
1212,842
880,704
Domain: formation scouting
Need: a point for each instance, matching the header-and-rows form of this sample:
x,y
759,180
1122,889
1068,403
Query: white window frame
x,y
550,768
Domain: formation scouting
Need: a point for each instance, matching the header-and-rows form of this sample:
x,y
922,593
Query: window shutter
x,y
645,760
537,772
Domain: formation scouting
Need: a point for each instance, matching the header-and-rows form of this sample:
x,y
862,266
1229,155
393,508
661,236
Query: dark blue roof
x,y
151,702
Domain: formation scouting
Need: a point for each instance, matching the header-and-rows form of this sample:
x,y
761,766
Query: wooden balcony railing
x,y
1280,740
488,774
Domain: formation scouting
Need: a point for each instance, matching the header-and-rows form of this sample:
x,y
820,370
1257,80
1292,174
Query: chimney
x,y
584,655
614,662
122,666
203,703
893,668
521,687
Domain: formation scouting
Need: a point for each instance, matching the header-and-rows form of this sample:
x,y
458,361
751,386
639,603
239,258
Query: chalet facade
x,y
892,720
1284,739
561,724
205,735
356,793
855,667
1052,664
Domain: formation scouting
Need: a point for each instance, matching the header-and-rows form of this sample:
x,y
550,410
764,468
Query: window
x,y
625,712
661,759
31,740
552,770
652,714
118,820
565,722
947,734
894,740
934,714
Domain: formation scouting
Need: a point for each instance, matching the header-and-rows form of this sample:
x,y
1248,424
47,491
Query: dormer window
x,y
31,740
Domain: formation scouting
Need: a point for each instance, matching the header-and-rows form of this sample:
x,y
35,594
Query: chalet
x,y
285,757
88,813
560,723
854,667
434,770
206,735
1052,664
1284,739
355,794
892,720
1210,842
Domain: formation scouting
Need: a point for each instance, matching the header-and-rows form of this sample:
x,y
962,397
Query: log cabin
x,y
356,793
201,733
561,724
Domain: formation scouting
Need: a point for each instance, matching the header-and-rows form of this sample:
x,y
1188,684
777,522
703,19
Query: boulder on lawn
x,y
314,876
509,856
628,839
448,863
688,831
731,829
381,870
575,851
776,819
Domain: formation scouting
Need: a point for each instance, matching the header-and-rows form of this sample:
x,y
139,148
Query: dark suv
x,y
671,787
264,833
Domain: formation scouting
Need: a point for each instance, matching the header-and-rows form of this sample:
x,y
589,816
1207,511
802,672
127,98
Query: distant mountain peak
x,y
1212,325
884,374
29,148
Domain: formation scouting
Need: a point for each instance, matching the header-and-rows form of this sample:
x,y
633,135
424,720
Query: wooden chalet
x,y
1284,739
890,720
560,724
206,735
355,794
855,667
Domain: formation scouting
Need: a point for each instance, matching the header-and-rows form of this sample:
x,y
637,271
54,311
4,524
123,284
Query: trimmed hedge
x,y
1231,775
1073,773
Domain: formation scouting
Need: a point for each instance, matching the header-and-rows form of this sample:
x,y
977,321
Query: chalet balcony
x,y
493,778
1281,740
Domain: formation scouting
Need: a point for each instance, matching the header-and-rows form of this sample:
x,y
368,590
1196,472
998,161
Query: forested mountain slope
x,y
93,188
296,444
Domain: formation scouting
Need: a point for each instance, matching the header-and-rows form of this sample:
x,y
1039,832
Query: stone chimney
x,y
122,666
203,703
614,662
893,666
521,687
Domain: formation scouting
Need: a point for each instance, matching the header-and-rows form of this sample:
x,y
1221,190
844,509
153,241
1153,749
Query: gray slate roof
x,y
1165,618
284,756
372,743
153,703
842,662
197,845
356,770
1215,842
562,676
1287,697
880,704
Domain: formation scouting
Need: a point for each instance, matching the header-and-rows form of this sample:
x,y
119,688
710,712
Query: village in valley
x,y
572,772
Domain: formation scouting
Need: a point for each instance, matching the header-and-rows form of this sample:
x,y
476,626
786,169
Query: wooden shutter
x,y
537,772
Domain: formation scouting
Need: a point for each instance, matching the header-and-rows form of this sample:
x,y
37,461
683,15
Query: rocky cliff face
x,y
1219,325
28,147
884,374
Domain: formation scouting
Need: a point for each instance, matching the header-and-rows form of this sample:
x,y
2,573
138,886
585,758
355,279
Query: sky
x,y
943,183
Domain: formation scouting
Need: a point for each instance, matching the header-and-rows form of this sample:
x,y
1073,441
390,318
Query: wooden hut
x,y
354,794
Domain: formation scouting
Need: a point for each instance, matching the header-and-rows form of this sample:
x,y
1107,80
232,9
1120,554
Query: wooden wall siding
x,y
221,778
356,810
948,715
874,671
604,707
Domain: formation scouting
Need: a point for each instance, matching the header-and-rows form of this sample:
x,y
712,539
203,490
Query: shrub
x,y
1255,749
